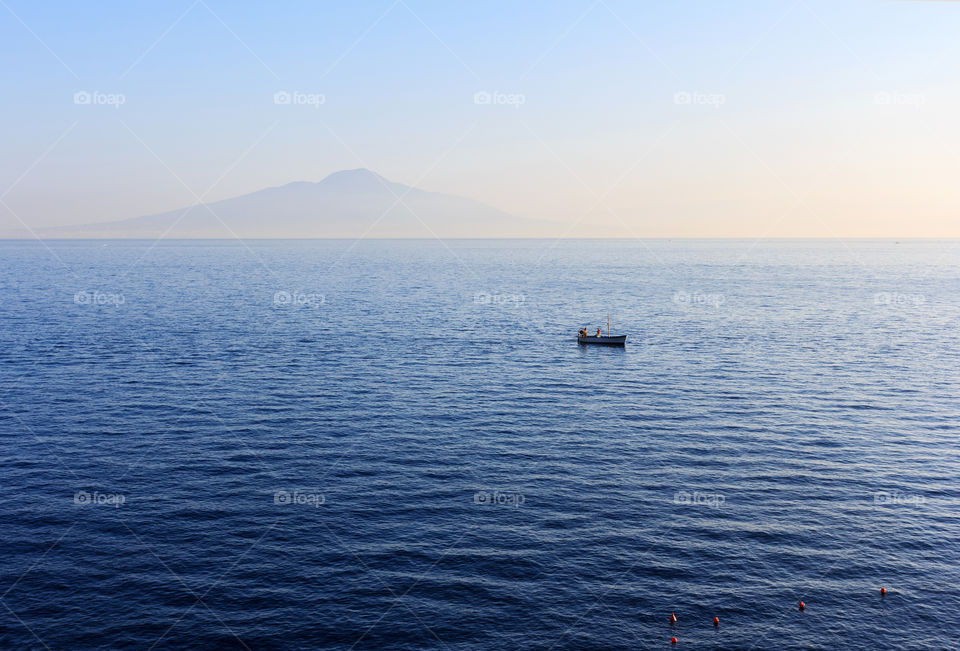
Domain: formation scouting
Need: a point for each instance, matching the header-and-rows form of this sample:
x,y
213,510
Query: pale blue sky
x,y
804,118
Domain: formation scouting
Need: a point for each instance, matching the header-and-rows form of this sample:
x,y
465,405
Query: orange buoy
x,y
716,621
883,591
673,618
673,640
802,605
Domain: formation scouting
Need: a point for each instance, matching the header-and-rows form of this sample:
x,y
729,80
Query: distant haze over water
x,y
352,203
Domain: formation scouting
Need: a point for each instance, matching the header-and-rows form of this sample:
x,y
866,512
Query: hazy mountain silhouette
x,y
350,203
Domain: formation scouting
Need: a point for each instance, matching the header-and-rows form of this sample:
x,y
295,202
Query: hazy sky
x,y
708,118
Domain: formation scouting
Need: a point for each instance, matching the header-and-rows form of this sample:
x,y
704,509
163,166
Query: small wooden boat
x,y
604,340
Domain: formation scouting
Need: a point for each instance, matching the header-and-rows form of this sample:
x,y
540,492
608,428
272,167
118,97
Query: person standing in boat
x,y
599,331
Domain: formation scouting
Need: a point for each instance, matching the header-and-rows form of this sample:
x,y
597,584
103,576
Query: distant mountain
x,y
350,203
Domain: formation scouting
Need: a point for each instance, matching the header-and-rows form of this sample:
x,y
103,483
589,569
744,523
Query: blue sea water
x,y
399,444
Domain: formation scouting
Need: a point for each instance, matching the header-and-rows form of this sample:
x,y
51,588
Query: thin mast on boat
x,y
608,324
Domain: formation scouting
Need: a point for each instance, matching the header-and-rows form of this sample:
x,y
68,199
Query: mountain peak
x,y
360,177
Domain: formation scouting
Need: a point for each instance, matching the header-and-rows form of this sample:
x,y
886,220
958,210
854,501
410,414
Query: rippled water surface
x,y
385,444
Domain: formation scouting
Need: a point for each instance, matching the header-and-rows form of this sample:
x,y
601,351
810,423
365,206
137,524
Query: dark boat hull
x,y
603,340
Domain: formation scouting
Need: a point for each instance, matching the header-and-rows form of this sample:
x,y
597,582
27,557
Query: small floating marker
x,y
673,640
883,592
673,618
716,621
802,605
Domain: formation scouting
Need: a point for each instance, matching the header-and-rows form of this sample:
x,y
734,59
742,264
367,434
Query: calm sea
x,y
399,444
